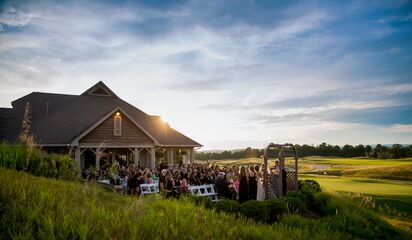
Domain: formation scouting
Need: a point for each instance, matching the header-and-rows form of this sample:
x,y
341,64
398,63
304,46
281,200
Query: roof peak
x,y
99,89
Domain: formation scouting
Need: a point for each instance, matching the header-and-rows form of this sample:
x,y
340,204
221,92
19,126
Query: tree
x,y
397,151
359,150
378,151
348,151
409,151
384,152
368,151
337,151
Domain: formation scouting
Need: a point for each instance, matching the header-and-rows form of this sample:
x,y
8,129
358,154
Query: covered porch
x,y
142,156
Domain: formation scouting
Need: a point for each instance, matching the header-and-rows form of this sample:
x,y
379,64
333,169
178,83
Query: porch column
x,y
77,157
97,158
152,158
136,156
171,159
192,155
113,159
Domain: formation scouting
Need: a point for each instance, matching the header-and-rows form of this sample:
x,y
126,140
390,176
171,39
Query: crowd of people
x,y
231,182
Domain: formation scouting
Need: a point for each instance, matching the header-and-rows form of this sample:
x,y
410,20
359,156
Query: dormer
x,y
99,89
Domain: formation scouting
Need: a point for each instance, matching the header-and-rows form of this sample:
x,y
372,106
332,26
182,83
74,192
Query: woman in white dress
x,y
260,190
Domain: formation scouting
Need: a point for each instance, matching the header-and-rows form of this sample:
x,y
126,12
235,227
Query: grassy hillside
x,y
376,178
40,208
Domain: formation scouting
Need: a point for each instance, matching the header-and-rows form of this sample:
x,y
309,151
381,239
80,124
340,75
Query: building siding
x,y
103,134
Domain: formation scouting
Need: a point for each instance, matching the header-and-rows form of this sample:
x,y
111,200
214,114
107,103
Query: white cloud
x,y
14,17
401,128
71,47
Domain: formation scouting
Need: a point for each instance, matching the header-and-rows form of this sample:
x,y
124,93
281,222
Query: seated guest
x,y
209,177
193,179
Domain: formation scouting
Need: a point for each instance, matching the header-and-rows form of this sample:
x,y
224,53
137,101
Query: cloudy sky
x,y
229,74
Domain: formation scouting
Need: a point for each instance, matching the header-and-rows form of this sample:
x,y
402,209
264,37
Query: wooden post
x,y
281,173
192,155
113,159
77,157
97,153
152,158
171,159
136,156
265,175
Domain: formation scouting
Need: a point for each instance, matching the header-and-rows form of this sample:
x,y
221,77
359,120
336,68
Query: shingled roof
x,y
69,116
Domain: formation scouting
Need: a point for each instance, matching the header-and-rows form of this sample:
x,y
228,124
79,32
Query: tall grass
x,y
41,208
35,161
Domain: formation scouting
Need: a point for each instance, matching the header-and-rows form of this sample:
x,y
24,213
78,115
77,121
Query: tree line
x,y
380,151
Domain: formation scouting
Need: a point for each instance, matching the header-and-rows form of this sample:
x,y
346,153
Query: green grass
x,y
355,161
362,185
393,199
403,172
40,208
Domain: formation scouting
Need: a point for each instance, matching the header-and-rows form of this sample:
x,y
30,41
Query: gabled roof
x,y
79,113
99,89
41,104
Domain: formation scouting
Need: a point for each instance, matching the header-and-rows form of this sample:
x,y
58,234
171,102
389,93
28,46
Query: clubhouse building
x,y
96,127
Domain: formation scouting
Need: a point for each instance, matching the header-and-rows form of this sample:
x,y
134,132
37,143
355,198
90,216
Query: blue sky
x,y
229,74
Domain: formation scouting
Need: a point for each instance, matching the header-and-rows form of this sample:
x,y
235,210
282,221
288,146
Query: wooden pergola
x,y
286,180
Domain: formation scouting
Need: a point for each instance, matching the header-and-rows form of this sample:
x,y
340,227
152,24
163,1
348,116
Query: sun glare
x,y
163,120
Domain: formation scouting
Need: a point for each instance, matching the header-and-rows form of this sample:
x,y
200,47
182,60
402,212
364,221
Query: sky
x,y
229,74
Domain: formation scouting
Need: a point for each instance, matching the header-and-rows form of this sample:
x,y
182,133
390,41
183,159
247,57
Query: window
x,y
117,124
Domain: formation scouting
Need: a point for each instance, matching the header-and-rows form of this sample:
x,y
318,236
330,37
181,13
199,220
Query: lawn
x,y
392,199
366,162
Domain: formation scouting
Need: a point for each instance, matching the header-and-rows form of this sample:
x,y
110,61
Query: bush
x,y
275,208
295,205
37,162
309,185
320,204
228,206
255,210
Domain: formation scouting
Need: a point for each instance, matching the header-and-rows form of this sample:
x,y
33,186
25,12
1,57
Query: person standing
x,y
260,190
252,183
243,185
132,179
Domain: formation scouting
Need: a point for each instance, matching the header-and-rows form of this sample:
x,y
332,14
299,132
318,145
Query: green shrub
x,y
295,205
276,208
37,162
255,210
320,204
228,206
309,185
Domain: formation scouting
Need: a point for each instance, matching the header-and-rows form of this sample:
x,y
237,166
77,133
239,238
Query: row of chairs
x,y
201,190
